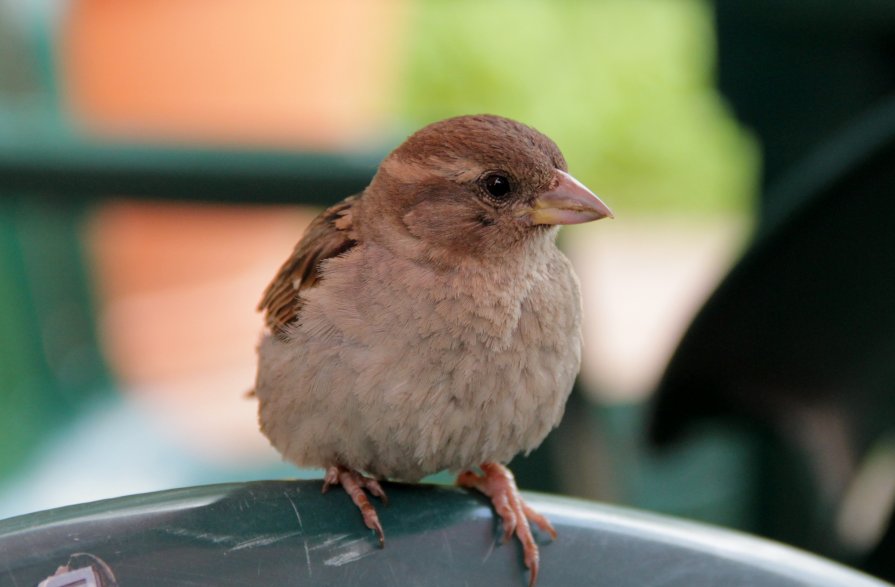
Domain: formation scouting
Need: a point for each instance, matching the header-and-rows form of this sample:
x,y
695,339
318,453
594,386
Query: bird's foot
x,y
498,483
354,483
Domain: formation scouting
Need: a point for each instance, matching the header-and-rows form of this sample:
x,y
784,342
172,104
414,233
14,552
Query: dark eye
x,y
497,184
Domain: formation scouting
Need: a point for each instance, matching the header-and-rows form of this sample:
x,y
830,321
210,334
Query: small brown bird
x,y
430,322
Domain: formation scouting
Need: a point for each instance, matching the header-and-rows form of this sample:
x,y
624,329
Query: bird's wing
x,y
330,234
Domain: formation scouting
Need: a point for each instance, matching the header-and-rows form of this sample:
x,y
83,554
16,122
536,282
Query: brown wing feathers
x,y
328,235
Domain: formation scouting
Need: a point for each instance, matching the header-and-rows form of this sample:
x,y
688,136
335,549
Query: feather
x,y
330,234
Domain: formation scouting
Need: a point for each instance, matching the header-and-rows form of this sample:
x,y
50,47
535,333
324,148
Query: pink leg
x,y
354,484
499,484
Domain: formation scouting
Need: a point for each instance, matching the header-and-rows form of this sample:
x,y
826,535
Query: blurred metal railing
x,y
78,168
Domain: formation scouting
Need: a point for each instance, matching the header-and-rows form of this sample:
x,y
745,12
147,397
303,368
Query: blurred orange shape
x,y
282,72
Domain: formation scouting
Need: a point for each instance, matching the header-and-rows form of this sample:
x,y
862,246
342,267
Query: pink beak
x,y
567,202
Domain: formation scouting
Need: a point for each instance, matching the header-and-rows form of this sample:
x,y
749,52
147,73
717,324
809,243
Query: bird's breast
x,y
440,370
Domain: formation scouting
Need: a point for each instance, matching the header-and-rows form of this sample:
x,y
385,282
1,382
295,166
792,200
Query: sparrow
x,y
430,322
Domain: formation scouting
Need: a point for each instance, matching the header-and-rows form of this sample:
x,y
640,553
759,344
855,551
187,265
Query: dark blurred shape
x,y
798,71
76,170
282,533
797,345
880,560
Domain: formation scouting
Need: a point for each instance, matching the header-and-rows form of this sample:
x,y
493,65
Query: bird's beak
x,y
567,202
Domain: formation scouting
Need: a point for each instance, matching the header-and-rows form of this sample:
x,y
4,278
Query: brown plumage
x,y
330,234
430,322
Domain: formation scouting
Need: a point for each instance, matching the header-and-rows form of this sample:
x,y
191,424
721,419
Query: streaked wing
x,y
329,235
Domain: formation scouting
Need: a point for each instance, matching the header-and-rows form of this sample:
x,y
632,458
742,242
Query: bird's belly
x,y
400,418
429,384
458,412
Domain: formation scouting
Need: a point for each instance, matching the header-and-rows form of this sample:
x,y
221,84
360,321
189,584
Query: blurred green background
x,y
627,88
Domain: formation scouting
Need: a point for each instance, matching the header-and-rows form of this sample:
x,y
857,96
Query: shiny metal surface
x,y
288,533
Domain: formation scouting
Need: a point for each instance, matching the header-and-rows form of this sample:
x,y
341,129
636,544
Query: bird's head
x,y
478,186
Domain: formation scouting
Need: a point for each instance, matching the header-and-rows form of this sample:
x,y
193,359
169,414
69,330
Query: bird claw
x,y
354,483
498,483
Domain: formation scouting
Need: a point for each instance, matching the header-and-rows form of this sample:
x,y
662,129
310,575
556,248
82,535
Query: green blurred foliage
x,y
625,87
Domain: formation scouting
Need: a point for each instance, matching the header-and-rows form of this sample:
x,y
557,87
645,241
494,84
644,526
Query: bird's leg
x,y
498,483
354,483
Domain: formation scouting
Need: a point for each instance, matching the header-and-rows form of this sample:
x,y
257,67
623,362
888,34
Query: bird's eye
x,y
497,185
